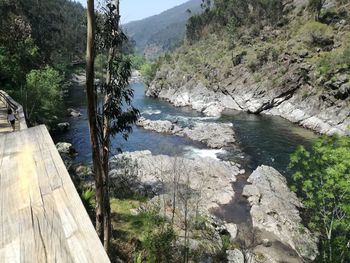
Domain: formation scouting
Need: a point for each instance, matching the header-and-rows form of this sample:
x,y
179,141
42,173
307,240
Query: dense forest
x,y
39,43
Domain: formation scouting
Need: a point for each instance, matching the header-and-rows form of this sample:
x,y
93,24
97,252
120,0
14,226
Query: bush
x,y
137,61
252,62
335,61
148,71
322,180
42,98
160,239
346,56
317,34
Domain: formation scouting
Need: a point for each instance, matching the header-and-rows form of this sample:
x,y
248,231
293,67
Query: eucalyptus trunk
x,y
92,112
107,133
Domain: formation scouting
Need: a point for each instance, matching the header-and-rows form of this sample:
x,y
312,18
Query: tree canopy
x,y
322,180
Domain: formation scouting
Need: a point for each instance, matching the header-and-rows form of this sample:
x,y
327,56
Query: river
x,y
261,139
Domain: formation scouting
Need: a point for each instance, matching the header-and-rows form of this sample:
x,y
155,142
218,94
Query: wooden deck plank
x,y
42,217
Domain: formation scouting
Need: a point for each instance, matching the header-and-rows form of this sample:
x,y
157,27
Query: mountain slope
x,y
163,32
285,60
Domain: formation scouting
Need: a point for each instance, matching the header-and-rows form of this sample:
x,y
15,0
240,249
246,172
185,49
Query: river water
x,y
261,139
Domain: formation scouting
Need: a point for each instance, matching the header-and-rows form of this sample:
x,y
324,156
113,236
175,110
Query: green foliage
x,y
322,180
41,96
34,34
155,235
335,61
100,66
148,71
137,61
317,34
160,238
117,112
88,199
233,14
132,225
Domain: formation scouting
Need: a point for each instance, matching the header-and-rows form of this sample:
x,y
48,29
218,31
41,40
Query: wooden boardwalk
x,y
42,218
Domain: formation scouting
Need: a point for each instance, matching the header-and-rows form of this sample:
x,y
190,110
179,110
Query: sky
x,y
132,10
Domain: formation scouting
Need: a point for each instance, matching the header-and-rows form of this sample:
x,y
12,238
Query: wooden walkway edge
x,y
6,102
42,218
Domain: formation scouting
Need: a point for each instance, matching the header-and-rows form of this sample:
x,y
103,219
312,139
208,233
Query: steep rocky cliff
x,y
297,68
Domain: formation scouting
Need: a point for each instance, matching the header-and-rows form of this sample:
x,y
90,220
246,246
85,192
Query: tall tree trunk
x,y
106,133
105,158
91,100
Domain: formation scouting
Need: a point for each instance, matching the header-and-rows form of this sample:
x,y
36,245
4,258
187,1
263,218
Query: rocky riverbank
x,y
240,92
214,135
278,234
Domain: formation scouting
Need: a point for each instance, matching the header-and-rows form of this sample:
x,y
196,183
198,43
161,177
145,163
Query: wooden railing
x,y
16,108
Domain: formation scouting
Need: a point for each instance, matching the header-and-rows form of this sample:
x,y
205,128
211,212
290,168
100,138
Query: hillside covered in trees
x,y
164,32
39,41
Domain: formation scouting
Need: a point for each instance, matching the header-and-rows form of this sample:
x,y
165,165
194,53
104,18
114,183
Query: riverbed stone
x,y
66,148
73,113
161,126
232,230
214,135
274,209
63,127
234,256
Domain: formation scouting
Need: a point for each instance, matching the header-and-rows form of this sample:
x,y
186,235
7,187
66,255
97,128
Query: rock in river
x,y
214,135
63,127
274,209
73,113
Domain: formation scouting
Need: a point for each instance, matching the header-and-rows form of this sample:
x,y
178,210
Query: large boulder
x,y
214,135
158,126
274,209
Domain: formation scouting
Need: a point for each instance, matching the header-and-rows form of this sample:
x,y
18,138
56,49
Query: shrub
x,y
88,198
322,180
317,34
42,98
137,61
148,71
160,239
346,56
252,62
